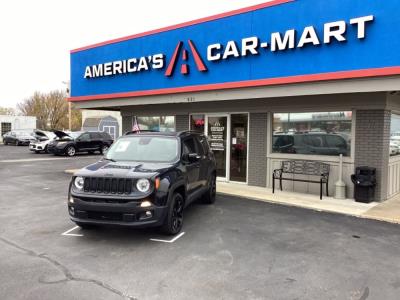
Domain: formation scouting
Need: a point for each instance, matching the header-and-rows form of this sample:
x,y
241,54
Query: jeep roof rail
x,y
139,131
187,132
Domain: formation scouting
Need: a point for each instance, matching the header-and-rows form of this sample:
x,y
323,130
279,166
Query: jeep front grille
x,y
108,185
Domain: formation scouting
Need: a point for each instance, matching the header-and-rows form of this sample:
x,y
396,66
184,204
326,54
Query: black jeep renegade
x,y
145,179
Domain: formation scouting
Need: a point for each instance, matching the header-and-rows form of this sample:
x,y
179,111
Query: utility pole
x,y
69,106
69,116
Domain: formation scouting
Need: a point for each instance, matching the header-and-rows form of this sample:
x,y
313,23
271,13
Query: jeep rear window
x,y
144,149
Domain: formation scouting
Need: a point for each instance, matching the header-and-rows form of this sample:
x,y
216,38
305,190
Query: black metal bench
x,y
302,167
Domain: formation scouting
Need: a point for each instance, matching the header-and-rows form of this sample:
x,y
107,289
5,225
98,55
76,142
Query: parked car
x,y
18,138
43,138
144,180
71,143
311,143
394,148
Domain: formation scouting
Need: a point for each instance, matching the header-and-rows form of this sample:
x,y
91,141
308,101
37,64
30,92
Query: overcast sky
x,y
36,36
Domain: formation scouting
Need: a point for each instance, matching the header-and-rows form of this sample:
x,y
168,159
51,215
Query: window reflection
x,y
313,133
162,123
394,148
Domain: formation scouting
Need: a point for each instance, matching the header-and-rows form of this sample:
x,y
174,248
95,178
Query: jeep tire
x,y
174,219
209,196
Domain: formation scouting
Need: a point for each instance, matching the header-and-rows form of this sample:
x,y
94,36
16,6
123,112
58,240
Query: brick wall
x,y
181,122
258,150
126,124
372,145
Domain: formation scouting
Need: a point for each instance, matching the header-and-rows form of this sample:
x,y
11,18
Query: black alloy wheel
x,y
174,220
210,195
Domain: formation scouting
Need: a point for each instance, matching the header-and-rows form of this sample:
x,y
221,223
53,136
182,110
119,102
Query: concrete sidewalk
x,y
388,211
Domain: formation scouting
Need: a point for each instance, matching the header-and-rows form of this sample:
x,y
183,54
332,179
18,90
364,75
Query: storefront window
x,y
394,148
315,133
197,123
163,123
167,123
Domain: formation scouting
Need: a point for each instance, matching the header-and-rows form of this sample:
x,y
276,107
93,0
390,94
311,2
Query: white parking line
x,y
170,241
67,233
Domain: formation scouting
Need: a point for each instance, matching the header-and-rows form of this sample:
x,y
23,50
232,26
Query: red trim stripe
x,y
389,71
185,24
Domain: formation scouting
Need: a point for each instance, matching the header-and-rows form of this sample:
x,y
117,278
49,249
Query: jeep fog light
x,y
145,204
79,182
143,185
71,200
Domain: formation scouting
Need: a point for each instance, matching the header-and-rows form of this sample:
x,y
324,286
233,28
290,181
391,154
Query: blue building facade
x,y
287,79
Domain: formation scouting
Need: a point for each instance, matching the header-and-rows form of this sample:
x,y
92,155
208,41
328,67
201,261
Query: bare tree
x,y
7,111
51,110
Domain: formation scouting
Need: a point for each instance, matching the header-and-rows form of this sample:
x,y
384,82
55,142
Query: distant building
x,y
108,121
8,123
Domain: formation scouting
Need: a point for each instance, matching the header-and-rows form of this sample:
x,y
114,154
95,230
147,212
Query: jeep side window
x,y
200,148
203,145
188,146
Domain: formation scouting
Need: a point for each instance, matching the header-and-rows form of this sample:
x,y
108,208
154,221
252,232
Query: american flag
x,y
135,125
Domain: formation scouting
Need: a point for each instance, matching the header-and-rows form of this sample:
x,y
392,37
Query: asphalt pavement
x,y
235,249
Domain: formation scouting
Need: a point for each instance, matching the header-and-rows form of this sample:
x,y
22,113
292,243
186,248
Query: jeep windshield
x,y
144,149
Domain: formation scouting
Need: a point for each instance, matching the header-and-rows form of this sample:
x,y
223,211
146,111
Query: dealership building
x,y
284,80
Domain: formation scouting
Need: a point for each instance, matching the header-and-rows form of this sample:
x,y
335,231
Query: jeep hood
x,y
123,169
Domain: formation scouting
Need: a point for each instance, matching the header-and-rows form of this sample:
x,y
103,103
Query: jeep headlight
x,y
61,143
143,185
79,182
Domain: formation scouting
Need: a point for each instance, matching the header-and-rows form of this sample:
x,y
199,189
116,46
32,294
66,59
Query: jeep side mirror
x,y
193,157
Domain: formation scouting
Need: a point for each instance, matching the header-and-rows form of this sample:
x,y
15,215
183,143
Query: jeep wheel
x,y
174,220
5,143
209,196
70,151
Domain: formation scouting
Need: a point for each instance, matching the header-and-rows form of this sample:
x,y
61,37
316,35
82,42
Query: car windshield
x,y
144,149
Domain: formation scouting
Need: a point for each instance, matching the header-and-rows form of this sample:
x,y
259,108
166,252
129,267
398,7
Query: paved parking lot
x,y
235,249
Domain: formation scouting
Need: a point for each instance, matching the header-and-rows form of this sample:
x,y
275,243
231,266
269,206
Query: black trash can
x,y
364,184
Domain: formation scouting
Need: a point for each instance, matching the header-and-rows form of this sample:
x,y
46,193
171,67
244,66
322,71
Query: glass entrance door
x,y
238,147
217,132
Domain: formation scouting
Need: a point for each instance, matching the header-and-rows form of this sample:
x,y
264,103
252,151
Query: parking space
x,y
235,249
